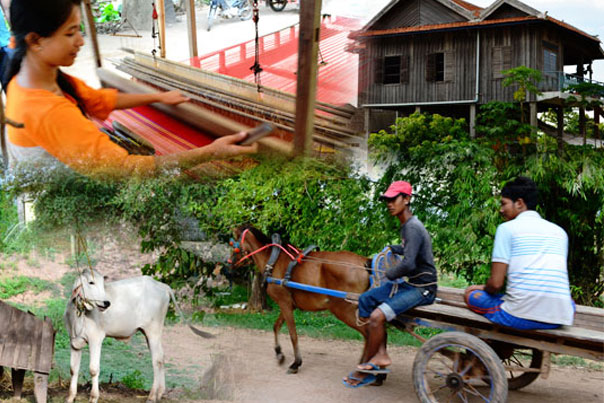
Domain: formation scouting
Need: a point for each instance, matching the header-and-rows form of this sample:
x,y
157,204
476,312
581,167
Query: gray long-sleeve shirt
x,y
418,259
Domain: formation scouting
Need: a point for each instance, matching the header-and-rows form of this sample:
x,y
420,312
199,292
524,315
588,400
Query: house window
x,y
550,61
435,67
392,70
501,60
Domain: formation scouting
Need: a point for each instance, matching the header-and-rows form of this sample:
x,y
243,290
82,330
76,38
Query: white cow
x,y
119,309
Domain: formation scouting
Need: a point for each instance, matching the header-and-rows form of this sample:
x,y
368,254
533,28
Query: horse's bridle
x,y
238,248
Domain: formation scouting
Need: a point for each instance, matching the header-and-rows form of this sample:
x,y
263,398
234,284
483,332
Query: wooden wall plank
x,y
26,342
26,338
44,364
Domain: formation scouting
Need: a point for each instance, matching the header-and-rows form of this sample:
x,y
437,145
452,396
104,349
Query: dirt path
x,y
239,365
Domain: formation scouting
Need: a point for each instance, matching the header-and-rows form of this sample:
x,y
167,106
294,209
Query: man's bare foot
x,y
358,379
374,365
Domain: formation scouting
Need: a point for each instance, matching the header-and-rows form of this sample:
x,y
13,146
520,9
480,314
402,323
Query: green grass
x,y
129,363
451,280
67,282
10,287
571,361
323,325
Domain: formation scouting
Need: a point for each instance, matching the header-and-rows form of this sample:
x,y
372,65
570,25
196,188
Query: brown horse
x,y
333,270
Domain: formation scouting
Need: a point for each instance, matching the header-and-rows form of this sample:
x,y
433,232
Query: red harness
x,y
237,247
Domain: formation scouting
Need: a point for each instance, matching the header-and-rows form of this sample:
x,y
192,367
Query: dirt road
x,y
239,365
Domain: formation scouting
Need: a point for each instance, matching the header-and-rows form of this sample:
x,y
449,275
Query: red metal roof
x,y
468,24
279,61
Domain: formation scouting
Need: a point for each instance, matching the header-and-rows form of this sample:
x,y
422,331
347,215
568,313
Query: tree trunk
x,y
139,13
582,128
597,112
560,137
257,301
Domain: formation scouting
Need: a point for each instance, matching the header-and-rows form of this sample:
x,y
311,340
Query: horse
x,y
342,270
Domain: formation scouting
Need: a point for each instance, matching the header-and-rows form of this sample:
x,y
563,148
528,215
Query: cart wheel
x,y
277,5
526,358
453,366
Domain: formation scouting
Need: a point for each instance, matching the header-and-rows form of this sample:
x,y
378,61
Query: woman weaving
x,y
53,106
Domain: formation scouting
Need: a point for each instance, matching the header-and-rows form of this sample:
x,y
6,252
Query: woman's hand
x,y
224,147
228,146
171,98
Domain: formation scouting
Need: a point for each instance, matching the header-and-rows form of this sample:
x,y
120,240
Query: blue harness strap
x,y
349,296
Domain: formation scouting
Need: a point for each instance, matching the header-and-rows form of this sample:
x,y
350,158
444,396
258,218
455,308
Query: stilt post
x,y
306,88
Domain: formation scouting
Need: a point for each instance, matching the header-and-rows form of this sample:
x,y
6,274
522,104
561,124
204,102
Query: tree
x,y
139,12
527,80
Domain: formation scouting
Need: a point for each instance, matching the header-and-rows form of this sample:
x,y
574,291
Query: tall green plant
x,y
527,80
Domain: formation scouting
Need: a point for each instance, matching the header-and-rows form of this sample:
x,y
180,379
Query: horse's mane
x,y
256,232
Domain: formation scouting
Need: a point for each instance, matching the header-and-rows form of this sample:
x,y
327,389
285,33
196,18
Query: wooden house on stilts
x,y
446,56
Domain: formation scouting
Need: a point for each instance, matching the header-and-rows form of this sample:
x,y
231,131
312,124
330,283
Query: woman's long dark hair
x,y
42,17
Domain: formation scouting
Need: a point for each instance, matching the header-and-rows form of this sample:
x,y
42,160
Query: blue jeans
x,y
489,306
223,4
405,298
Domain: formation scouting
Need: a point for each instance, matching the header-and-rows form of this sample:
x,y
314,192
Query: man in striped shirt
x,y
532,253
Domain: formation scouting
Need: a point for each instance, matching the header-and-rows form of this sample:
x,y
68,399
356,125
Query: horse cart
x,y
473,352
473,360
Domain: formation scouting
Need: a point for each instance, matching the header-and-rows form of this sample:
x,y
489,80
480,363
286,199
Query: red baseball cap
x,y
396,188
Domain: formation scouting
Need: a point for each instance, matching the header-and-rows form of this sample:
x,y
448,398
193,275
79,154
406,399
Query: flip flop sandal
x,y
374,369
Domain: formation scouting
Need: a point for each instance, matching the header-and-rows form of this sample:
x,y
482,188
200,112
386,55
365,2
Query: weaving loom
x,y
239,100
166,134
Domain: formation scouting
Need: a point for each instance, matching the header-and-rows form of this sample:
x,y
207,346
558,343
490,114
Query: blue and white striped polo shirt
x,y
537,279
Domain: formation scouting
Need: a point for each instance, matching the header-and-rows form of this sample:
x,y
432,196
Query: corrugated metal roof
x,y
279,61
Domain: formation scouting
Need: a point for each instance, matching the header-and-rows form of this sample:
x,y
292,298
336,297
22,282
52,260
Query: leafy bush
x,y
308,201
134,380
108,13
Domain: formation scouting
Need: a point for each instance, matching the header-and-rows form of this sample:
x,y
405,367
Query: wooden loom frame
x,y
310,23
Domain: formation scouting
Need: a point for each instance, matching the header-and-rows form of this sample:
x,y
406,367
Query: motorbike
x,y
243,10
277,5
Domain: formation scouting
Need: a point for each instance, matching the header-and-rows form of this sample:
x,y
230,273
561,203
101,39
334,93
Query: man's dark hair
x,y
522,188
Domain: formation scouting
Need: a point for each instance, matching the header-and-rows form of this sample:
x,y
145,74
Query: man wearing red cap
x,y
385,302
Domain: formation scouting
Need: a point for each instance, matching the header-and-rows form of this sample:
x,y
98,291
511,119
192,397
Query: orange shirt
x,y
57,125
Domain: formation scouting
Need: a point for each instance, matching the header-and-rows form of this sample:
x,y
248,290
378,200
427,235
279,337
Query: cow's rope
x,y
79,295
